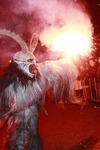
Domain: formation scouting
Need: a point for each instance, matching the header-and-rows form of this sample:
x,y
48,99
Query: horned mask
x,y
25,59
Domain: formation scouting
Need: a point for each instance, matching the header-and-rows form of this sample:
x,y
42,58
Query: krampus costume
x,y
24,83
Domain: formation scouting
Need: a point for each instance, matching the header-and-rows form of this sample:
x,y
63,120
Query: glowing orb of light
x,y
72,43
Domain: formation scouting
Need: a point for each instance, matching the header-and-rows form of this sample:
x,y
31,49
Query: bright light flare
x,y
72,43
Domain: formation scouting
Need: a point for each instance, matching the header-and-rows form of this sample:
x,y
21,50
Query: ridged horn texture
x,y
16,37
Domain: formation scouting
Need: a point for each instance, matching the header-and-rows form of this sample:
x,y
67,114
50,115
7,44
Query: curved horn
x,y
33,42
16,37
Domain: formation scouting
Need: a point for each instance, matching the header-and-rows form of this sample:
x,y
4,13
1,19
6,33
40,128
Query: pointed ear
x,y
33,42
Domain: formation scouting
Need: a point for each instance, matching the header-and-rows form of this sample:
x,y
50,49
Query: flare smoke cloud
x,y
46,17
58,13
49,17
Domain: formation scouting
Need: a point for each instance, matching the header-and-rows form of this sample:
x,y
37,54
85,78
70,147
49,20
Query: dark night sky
x,y
94,7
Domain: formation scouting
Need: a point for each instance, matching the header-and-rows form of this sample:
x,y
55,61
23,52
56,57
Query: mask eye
x,y
30,60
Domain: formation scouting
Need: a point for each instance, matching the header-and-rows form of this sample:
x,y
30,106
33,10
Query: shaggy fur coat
x,y
21,95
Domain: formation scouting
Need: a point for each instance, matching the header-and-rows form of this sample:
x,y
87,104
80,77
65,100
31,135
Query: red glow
x,y
72,42
74,36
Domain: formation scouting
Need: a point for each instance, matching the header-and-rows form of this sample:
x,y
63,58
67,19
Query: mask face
x,y
25,58
26,63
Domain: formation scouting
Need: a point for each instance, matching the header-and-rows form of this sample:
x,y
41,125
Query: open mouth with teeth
x,y
33,69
